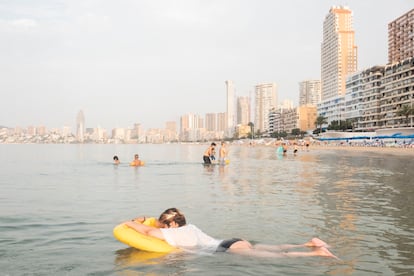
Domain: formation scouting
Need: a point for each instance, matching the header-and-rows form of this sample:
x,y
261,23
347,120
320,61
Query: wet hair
x,y
213,144
116,157
170,215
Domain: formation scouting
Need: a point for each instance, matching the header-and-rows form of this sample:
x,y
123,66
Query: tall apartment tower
x,y
191,121
221,121
80,126
243,110
230,106
211,122
265,100
309,92
400,38
338,52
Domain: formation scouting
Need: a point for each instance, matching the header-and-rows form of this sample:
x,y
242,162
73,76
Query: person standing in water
x,y
177,233
223,153
208,153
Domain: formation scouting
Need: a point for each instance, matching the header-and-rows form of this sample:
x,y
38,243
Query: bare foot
x,y
324,252
315,242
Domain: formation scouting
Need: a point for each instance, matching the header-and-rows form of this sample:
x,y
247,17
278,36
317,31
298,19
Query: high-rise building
x,y
137,131
80,126
265,100
211,121
338,52
230,107
363,94
309,92
190,127
221,121
400,38
171,126
243,110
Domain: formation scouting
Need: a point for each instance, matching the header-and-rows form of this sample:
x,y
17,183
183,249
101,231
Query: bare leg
x,y
315,242
319,252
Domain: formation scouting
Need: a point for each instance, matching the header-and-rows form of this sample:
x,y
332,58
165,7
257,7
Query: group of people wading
x,y
210,152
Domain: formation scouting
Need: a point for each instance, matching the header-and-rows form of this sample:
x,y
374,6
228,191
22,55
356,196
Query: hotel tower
x,y
265,101
80,126
230,120
400,38
338,52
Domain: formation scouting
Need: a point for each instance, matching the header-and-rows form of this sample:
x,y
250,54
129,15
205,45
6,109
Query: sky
x,y
152,61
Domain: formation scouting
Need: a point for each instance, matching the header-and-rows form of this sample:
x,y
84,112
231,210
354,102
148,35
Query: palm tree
x,y
251,125
320,120
405,111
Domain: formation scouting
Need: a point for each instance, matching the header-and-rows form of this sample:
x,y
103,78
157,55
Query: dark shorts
x,y
224,245
206,160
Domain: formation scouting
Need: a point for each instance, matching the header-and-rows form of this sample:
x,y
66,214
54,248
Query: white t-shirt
x,y
190,237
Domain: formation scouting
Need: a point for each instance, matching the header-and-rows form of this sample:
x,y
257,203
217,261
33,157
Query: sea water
x,y
59,204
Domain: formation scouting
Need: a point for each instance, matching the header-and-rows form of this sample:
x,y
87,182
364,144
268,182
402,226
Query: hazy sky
x,y
148,62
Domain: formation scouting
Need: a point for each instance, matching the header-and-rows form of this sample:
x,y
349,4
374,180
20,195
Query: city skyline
x,y
59,59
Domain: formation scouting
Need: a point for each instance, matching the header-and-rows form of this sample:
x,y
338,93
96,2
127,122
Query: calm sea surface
x,y
59,204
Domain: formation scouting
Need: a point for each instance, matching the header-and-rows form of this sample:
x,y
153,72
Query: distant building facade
x,y
401,38
243,110
306,117
338,59
397,91
265,101
191,127
80,126
309,92
362,99
230,120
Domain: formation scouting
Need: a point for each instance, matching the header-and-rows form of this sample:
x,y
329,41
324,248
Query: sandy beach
x,y
381,150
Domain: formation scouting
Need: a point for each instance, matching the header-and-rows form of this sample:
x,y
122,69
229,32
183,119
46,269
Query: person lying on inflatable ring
x,y
176,232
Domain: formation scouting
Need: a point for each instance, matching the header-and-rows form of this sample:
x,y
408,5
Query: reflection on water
x,y
130,256
59,210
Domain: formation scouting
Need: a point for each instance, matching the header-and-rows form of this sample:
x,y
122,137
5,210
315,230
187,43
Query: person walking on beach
x,y
176,232
208,153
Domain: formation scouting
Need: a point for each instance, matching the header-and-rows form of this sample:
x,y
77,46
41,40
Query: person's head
x,y
213,144
136,156
116,158
172,215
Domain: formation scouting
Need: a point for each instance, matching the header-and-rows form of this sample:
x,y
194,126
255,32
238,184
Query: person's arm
x,y
144,229
139,219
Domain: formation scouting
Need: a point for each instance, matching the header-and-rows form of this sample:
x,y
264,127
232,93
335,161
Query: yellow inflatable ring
x,y
140,241
133,164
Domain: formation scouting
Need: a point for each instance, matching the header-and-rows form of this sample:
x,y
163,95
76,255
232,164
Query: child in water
x,y
116,160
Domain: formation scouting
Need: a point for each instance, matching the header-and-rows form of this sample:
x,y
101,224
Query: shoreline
x,y
380,150
315,146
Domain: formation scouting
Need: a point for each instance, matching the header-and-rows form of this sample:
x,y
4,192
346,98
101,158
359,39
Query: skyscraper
x,y
243,110
80,126
309,92
400,38
230,107
211,121
338,52
265,100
